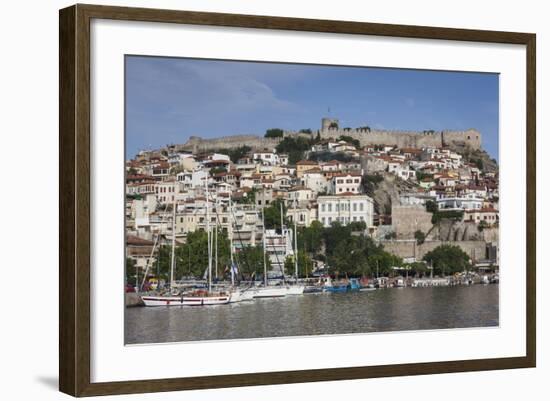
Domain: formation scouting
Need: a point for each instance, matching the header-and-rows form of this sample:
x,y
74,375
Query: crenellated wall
x,y
198,144
406,139
329,129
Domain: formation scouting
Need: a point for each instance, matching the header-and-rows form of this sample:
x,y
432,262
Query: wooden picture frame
x,y
74,199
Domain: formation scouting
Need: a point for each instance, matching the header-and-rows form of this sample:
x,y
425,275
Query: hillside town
x,y
407,200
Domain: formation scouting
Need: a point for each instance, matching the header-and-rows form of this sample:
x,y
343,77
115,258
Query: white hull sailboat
x,y
295,290
270,292
239,295
192,298
187,300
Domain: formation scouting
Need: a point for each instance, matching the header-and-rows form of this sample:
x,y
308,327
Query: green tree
x,y
420,237
311,238
274,133
295,147
349,139
431,206
130,271
371,181
191,258
272,214
482,225
417,268
325,156
448,259
235,153
216,170
251,261
439,215
304,264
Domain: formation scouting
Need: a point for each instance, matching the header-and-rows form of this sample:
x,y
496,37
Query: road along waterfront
x,y
392,309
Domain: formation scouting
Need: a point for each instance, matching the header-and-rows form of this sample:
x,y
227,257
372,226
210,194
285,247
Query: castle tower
x,y
327,122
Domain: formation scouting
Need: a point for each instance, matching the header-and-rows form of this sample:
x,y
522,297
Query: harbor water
x,y
393,309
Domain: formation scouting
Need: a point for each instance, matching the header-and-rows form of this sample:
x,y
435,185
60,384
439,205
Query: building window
x,y
361,207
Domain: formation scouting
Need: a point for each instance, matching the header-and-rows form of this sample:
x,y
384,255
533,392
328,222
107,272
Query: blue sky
x,y
170,99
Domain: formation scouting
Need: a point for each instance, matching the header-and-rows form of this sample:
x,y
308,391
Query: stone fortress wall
x,y
330,129
402,139
197,144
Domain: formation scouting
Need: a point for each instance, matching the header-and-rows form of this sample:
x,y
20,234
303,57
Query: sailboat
x,y
171,298
237,294
268,291
198,297
295,289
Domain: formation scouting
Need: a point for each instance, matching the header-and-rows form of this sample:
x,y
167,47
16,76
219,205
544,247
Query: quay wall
x,y
409,249
406,219
133,299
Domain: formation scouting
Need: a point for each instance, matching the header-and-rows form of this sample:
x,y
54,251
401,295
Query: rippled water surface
x,y
392,309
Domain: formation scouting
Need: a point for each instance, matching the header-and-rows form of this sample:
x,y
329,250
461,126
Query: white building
x,y
467,202
344,183
193,179
345,208
315,180
415,198
143,207
304,216
268,158
300,196
166,190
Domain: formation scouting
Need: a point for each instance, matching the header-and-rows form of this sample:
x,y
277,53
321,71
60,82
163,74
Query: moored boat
x,y
195,298
295,289
270,292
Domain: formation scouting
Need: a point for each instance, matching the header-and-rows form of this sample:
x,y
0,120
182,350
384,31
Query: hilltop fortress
x,y
330,129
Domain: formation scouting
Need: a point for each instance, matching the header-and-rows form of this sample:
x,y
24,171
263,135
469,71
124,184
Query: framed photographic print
x,y
250,200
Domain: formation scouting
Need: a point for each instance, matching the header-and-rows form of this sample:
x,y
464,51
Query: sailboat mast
x,y
263,246
209,239
295,245
231,240
173,260
216,243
